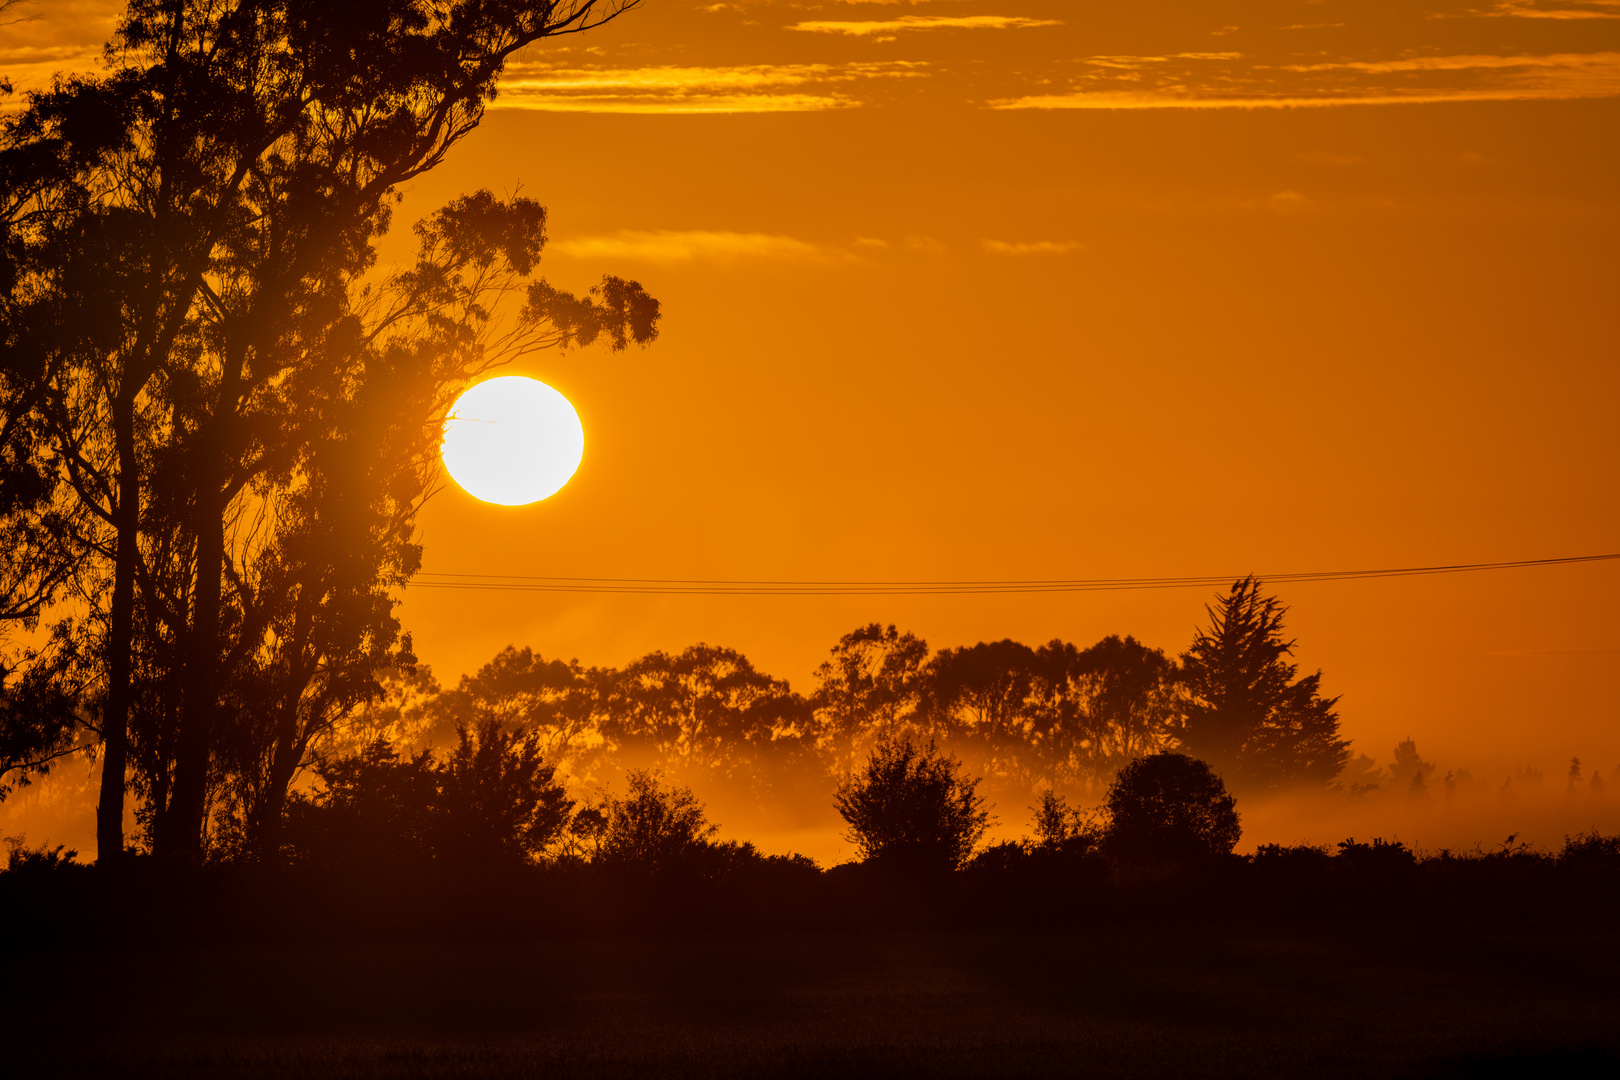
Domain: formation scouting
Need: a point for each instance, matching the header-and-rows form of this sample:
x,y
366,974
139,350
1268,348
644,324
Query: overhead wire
x,y
723,587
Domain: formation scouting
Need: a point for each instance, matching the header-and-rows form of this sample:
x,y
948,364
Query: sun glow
x,y
512,441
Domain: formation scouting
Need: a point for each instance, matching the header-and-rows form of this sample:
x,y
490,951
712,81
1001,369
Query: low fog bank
x,y
1538,806
1475,816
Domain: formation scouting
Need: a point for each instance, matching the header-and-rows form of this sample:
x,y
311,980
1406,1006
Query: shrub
x,y
376,807
912,808
498,802
1059,827
1381,858
653,828
492,801
24,861
1169,808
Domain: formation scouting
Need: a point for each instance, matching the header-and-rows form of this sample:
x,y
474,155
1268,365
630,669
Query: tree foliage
x,y
911,808
1247,713
651,828
866,691
1169,807
492,801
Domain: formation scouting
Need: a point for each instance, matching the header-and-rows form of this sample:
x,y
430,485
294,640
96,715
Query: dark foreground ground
x,y
1407,997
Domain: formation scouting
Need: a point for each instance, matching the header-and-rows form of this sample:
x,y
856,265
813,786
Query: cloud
x,y
668,246
1424,80
1037,247
1532,9
885,29
1291,204
39,40
1563,61
675,89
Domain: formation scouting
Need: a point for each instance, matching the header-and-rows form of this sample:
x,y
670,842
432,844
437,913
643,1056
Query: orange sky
x,y
1028,288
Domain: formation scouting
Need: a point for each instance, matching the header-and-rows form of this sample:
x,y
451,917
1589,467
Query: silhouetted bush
x,y
1591,853
911,808
23,861
654,829
1169,808
498,802
491,802
1298,861
1383,861
375,807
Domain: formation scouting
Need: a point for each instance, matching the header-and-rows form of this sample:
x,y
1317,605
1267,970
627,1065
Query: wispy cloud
x,y
1567,9
675,89
1419,80
1036,247
886,29
668,246
39,39
1558,61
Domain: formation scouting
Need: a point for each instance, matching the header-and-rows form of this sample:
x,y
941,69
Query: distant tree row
x,y
1023,719
1054,716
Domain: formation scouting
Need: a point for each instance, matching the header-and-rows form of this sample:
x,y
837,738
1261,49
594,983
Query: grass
x,y
1372,998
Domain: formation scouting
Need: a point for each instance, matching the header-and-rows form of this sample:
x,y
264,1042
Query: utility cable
x,y
713,587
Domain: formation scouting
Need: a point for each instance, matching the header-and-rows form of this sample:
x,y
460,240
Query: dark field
x,y
1372,998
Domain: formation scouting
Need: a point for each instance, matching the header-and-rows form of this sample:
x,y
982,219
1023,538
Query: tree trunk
x,y
273,804
120,642
181,834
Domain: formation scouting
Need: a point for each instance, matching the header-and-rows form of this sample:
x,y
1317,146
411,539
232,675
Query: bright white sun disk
x,y
512,441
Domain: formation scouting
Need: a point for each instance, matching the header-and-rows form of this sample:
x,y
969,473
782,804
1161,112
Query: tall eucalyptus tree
x,y
188,234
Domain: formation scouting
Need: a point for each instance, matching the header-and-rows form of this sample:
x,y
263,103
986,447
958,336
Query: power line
x,y
713,587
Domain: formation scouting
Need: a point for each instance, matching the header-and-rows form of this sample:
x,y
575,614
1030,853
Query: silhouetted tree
x,y
979,702
866,691
1099,707
1410,773
652,829
1169,807
38,534
491,802
1059,826
558,702
40,702
911,808
499,802
188,229
399,713
374,806
1247,714
708,714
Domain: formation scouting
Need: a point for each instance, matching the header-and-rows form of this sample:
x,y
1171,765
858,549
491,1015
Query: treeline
x,y
394,846
1025,719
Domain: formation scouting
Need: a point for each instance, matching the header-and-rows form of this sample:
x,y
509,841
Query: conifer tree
x,y
1248,714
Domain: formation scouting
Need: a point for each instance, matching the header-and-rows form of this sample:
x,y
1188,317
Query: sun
x,y
512,441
